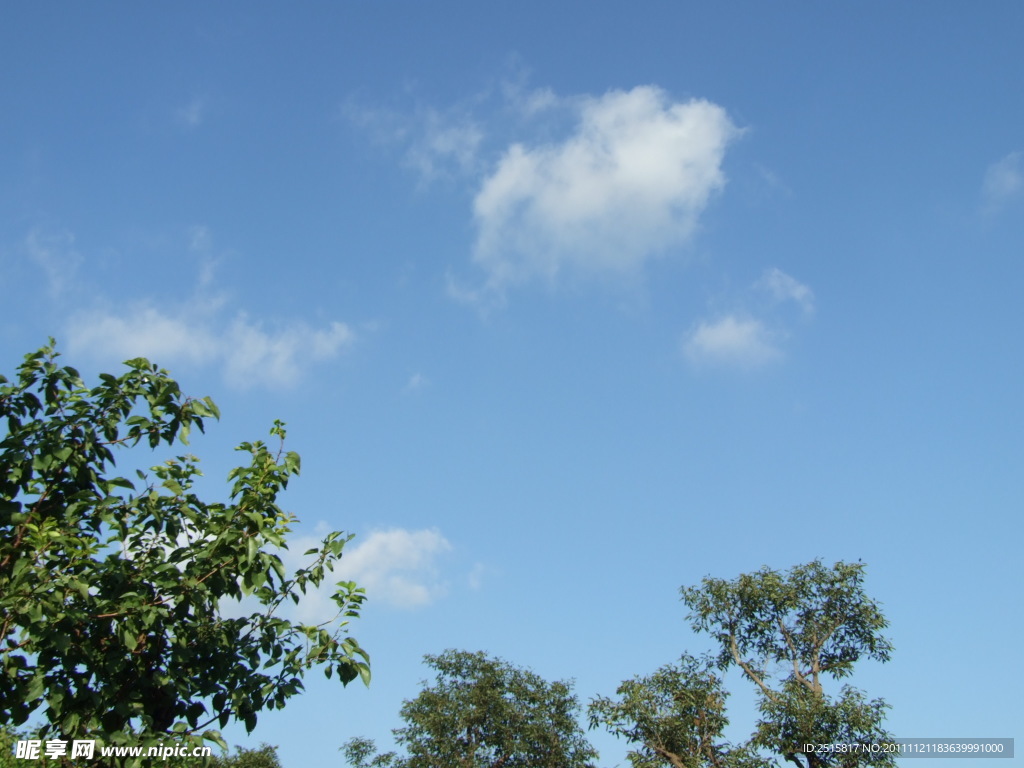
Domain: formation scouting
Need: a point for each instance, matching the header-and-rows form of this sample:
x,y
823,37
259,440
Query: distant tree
x,y
788,632
110,594
675,717
263,757
483,713
8,739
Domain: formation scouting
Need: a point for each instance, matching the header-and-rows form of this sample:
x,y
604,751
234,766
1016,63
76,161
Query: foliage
x,y
264,757
675,717
812,622
110,595
362,753
8,739
798,716
483,713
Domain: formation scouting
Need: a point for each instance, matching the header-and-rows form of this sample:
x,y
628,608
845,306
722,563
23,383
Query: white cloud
x,y
629,183
782,288
603,185
247,353
199,331
733,341
143,332
55,254
278,358
397,566
1003,180
751,334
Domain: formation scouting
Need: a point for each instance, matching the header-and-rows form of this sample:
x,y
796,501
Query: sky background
x,y
566,306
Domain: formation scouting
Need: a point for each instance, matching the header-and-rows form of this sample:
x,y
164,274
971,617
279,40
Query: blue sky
x,y
565,305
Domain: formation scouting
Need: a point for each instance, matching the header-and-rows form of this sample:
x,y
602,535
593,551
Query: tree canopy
x,y
675,717
786,633
483,712
112,589
813,622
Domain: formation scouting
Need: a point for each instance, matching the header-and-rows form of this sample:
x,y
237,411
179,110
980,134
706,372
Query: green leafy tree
x,y
788,633
483,713
111,589
263,757
8,739
675,717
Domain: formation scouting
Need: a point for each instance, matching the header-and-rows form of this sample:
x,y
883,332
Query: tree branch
x,y
794,656
749,670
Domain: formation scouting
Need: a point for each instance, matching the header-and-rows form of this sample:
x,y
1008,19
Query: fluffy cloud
x,y
732,341
1003,180
247,353
630,182
397,566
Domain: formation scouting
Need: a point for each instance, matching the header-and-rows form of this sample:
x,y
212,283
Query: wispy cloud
x,y
416,381
781,287
772,182
200,242
248,354
528,102
55,254
191,115
444,143
437,144
199,238
475,578
1004,180
629,183
201,330
752,334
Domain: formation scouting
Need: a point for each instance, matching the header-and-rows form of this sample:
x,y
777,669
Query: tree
x,y
8,739
811,623
264,757
110,595
675,717
483,713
